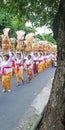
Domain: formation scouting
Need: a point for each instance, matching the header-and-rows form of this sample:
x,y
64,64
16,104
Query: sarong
x,y
6,81
40,68
13,67
30,74
35,68
19,75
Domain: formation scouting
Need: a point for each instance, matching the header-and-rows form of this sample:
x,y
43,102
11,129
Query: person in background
x,y
19,69
13,63
35,63
0,66
29,65
40,65
24,59
54,59
6,70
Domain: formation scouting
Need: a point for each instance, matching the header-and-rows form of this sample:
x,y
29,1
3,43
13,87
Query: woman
x,y
13,63
0,66
29,65
35,63
19,69
6,70
40,65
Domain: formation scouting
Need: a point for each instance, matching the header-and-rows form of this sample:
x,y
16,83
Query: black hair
x,y
7,55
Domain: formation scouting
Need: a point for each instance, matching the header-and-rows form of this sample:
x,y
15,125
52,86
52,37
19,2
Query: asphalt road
x,y
15,104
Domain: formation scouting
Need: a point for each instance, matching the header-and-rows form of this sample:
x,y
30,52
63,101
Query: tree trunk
x,y
54,116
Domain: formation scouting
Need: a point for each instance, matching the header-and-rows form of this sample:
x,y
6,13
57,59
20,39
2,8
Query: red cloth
x,y
35,68
13,63
28,65
36,61
17,67
40,61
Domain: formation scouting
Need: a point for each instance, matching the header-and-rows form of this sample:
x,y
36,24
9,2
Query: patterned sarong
x,y
6,81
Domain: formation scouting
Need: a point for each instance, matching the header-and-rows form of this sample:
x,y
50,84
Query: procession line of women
x,y
16,64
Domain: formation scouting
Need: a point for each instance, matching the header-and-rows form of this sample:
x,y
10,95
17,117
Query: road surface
x,y
15,104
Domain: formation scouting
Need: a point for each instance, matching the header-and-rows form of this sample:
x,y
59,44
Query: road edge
x,y
33,116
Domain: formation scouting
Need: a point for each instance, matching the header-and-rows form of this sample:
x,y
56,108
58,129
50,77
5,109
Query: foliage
x,y
39,12
47,37
15,14
12,21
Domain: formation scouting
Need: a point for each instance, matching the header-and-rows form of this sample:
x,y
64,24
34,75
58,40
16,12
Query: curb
x,y
34,115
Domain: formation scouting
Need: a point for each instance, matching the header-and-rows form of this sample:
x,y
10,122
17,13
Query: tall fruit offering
x,y
20,37
5,40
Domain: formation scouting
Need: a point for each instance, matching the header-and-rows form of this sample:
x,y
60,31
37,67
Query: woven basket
x,y
28,49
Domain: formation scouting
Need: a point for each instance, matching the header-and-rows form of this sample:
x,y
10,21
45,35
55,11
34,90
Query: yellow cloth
x,y
29,73
19,75
48,63
6,81
44,66
40,68
13,70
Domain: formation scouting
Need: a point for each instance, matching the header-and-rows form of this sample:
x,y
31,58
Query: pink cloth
x,y
3,69
45,59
